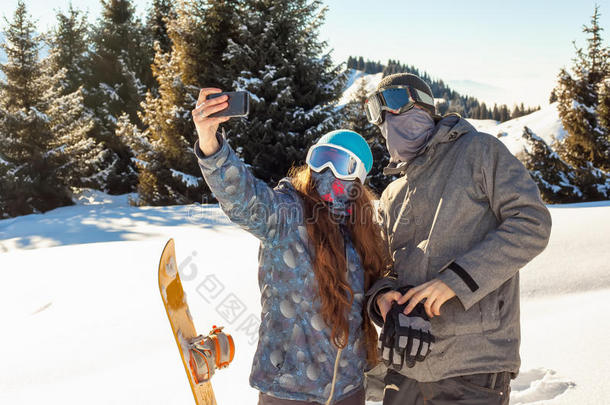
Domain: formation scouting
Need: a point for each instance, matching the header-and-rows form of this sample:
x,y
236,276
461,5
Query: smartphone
x,y
239,104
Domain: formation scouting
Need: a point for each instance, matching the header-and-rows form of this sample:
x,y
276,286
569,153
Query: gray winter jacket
x,y
466,199
294,358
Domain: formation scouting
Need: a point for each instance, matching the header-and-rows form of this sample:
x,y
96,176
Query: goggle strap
x,y
423,97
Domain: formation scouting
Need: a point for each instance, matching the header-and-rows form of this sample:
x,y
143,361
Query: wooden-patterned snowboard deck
x,y
180,319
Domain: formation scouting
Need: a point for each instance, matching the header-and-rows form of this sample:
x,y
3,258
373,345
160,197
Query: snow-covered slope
x,y
355,79
545,123
83,320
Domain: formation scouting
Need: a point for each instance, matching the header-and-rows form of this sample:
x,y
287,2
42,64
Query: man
x,y
460,221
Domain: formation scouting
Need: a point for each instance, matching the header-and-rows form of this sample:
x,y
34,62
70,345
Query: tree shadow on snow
x,y
101,223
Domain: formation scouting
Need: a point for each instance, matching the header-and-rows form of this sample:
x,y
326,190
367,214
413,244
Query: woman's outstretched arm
x,y
248,201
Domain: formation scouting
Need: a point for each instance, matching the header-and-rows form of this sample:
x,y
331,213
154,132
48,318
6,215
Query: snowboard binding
x,y
207,353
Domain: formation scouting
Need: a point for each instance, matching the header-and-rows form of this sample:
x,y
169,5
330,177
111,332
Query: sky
x,y
498,51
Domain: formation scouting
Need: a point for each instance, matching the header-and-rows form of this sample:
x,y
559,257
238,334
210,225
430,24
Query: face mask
x,y
336,192
406,134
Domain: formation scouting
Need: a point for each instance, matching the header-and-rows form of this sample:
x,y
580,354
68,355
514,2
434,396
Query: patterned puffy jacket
x,y
295,358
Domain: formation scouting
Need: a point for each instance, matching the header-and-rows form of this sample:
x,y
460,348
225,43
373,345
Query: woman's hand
x,y
434,291
384,302
207,127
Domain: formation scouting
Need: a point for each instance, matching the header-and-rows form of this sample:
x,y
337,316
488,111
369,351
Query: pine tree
x,y
587,142
159,15
475,112
485,114
36,124
603,111
504,113
10,181
168,170
72,121
360,63
354,115
278,58
555,178
69,39
30,185
351,62
77,158
119,67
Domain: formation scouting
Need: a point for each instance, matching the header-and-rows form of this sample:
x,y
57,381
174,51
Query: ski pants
x,y
476,389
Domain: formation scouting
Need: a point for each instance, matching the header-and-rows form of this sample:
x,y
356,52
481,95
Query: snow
x,y
545,123
139,162
109,91
40,115
87,196
188,179
576,106
81,307
354,80
538,385
352,76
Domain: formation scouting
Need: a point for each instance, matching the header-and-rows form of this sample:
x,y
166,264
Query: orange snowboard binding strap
x,y
216,350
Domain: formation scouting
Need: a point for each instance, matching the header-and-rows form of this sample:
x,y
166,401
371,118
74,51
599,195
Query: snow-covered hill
x,y
545,123
355,79
83,320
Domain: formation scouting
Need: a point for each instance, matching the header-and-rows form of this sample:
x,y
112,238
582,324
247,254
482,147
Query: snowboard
x,y
181,321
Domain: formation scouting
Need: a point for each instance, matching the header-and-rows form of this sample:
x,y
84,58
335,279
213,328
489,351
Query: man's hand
x,y
384,302
434,291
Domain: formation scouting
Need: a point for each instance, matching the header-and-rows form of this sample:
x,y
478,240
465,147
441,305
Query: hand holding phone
x,y
206,127
213,108
239,104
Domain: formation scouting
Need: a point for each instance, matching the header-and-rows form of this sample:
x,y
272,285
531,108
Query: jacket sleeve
x,y
249,202
522,233
385,284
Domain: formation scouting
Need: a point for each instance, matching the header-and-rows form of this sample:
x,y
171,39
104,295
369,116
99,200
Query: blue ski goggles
x,y
395,99
344,163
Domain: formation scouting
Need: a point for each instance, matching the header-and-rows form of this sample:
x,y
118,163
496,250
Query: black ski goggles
x,y
395,99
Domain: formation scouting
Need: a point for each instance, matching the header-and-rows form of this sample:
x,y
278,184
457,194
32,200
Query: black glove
x,y
405,339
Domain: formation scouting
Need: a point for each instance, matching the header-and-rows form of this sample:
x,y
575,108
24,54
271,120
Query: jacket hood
x,y
448,129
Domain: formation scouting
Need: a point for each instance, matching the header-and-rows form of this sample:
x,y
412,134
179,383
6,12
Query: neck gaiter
x,y
407,134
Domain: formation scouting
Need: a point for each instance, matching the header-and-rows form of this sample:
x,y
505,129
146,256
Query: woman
x,y
320,251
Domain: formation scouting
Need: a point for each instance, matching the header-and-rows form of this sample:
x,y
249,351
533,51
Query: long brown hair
x,y
330,265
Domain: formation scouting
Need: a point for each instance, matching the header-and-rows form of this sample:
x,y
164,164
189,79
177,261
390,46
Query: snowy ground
x,y
83,319
545,123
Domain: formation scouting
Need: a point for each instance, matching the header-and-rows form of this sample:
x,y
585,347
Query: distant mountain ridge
x,y
545,123
465,105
